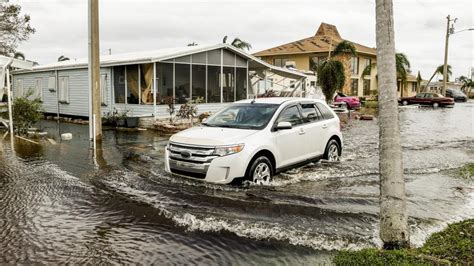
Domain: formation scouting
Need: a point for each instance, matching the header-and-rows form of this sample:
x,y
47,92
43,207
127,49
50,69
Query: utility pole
x,y
449,30
95,120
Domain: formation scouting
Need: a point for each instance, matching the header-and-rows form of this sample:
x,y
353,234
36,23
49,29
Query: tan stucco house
x,y
307,53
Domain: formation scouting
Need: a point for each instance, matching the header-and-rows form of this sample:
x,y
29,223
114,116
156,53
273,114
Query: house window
x,y
280,62
52,84
366,87
354,87
315,61
354,65
38,93
367,62
103,89
413,86
63,89
19,87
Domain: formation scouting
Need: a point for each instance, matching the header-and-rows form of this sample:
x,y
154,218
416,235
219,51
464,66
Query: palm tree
x,y
238,43
394,230
19,55
402,66
63,58
331,72
468,84
439,70
418,82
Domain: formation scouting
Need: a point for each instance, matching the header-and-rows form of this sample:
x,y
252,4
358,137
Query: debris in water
x,y
66,136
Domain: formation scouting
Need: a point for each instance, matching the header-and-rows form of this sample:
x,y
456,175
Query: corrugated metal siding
x,y
78,90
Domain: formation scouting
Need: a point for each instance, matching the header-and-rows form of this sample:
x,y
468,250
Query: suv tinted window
x,y
291,114
325,111
310,113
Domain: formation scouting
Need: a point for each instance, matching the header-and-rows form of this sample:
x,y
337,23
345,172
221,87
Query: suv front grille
x,y
192,154
190,160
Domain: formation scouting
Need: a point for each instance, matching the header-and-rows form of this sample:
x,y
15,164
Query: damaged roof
x,y
319,43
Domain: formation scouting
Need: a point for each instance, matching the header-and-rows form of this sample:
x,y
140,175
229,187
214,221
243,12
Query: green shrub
x,y
371,104
26,112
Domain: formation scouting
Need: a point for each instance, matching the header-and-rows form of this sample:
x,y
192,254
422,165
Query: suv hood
x,y
212,136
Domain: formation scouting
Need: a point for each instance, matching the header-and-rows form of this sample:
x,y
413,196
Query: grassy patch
x,y
453,245
467,171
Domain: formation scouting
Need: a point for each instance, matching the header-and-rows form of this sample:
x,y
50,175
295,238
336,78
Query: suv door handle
x,y
325,125
301,131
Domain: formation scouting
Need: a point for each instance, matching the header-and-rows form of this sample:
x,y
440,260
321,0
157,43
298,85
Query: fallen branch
x,y
29,140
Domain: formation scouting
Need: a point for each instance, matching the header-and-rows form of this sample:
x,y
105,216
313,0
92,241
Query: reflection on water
x,y
58,205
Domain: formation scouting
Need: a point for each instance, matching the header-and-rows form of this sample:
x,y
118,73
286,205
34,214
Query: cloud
x,y
147,25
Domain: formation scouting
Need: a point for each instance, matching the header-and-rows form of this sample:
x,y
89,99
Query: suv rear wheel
x,y
332,151
261,171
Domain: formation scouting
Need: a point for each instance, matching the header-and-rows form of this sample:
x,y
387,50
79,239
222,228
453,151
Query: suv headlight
x,y
227,150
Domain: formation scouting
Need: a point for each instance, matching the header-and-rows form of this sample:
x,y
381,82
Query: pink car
x,y
351,101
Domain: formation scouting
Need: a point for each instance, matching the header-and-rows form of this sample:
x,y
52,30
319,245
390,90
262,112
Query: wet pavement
x,y
58,206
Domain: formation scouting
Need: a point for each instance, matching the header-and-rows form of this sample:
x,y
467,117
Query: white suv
x,y
255,139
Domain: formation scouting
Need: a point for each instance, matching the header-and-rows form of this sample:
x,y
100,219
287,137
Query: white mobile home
x,y
139,82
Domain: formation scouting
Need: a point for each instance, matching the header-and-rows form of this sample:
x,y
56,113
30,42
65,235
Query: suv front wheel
x,y
261,171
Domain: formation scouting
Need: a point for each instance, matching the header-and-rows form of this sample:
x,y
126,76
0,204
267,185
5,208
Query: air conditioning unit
x,y
290,64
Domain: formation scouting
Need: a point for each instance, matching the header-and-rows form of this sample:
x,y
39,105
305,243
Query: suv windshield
x,y
244,116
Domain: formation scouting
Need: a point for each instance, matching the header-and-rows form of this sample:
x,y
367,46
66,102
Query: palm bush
x,y
26,112
331,72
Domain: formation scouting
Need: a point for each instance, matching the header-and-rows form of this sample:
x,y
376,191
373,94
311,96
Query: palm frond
x,y
19,55
241,44
344,47
368,69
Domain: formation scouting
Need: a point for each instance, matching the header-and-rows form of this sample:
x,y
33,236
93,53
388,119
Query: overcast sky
x,y
127,26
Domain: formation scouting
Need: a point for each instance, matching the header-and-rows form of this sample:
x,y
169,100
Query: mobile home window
x,y
52,83
119,84
19,87
38,93
103,89
241,83
182,81
63,89
199,82
164,76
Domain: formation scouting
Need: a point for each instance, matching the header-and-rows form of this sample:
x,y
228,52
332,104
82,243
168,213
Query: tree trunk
x,y
394,230
426,87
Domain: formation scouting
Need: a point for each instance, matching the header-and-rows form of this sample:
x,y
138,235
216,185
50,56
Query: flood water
x,y
58,206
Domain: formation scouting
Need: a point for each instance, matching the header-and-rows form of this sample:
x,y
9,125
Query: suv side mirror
x,y
284,125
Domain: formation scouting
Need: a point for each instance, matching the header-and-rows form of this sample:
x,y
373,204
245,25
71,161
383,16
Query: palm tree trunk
x,y
434,74
393,214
